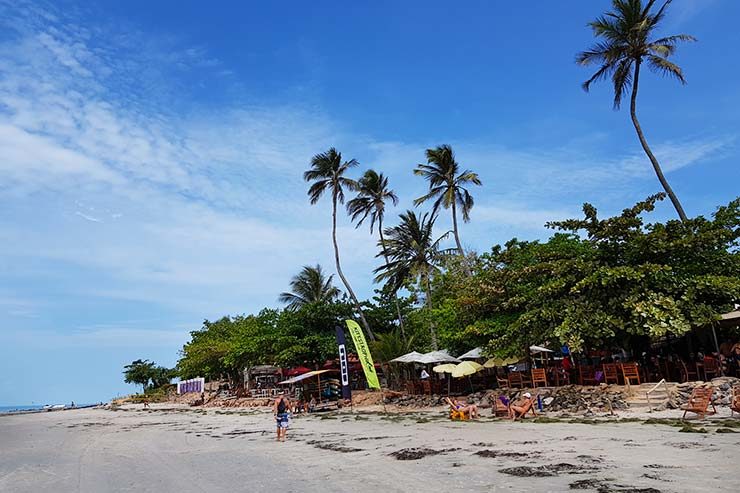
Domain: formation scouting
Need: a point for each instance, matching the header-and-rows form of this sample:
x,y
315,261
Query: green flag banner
x,y
363,352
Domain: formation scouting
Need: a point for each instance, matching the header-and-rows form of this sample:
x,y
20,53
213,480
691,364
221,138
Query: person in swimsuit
x,y
280,410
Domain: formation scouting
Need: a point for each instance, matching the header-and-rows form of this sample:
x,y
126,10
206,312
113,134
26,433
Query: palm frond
x,y
665,67
622,79
625,34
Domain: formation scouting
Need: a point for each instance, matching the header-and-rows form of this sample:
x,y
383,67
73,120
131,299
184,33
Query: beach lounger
x,y
699,402
735,402
498,408
526,407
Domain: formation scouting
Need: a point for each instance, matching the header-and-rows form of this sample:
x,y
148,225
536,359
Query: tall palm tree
x,y
327,173
413,254
447,188
372,194
628,41
309,286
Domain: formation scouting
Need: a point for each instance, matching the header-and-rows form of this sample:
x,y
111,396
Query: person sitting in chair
x,y
520,407
463,407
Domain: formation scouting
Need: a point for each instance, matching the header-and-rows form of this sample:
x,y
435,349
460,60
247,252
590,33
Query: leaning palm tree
x,y
628,41
372,194
327,173
447,188
309,286
413,254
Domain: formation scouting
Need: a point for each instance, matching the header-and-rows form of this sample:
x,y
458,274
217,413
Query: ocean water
x,y
28,407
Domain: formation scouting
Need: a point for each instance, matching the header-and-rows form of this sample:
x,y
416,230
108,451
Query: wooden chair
x,y
498,408
502,380
515,379
559,376
688,373
611,374
426,387
735,402
527,406
586,375
711,367
455,413
410,388
630,371
539,377
699,402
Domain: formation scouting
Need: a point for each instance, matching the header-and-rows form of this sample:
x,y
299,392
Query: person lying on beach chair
x,y
520,407
460,410
500,405
735,403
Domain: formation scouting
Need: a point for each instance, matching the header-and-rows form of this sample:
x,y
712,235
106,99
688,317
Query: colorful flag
x,y
363,353
343,367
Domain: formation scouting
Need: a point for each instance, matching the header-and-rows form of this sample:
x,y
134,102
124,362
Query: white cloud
x,y
205,209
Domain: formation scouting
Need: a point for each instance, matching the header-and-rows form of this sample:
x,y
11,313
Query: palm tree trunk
x,y
432,325
395,294
341,274
464,259
641,136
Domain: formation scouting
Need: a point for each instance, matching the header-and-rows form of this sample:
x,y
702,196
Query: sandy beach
x,y
188,449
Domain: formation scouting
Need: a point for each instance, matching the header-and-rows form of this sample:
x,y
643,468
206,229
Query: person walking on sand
x,y
280,410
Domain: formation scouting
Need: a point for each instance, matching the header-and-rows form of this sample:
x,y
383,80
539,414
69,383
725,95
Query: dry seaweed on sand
x,y
418,453
547,470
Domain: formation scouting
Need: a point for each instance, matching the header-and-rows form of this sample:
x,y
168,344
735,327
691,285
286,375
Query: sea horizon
x,y
34,407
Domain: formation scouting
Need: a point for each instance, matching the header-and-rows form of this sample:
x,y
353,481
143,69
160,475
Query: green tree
x,y
327,174
447,188
372,194
310,286
628,33
413,255
603,281
139,372
162,376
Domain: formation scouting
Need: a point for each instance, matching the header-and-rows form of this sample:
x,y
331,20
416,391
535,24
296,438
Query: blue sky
x,y
151,152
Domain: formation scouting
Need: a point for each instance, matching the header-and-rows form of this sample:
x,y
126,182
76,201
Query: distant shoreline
x,y
16,410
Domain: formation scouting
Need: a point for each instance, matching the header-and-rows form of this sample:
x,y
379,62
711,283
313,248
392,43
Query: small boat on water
x,y
54,407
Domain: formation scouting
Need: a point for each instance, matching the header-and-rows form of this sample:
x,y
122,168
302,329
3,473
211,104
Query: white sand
x,y
183,451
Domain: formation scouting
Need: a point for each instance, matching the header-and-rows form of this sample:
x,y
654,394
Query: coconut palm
x,y
309,286
372,194
447,188
413,254
628,33
327,173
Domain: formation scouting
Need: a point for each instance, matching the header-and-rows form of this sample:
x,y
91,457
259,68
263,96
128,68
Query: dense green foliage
x,y
304,336
600,281
596,282
147,374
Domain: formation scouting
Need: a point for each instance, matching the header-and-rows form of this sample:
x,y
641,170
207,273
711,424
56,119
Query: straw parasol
x,y
500,362
445,368
466,368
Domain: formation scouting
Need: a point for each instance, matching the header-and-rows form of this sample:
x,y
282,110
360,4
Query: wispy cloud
x,y
205,208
